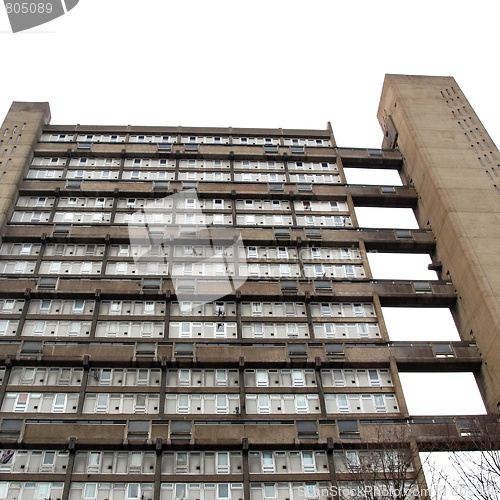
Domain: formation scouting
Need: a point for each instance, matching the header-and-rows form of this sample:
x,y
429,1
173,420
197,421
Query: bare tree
x,y
472,474
388,468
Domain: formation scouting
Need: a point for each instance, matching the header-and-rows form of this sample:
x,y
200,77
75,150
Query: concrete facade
x,y
454,166
286,386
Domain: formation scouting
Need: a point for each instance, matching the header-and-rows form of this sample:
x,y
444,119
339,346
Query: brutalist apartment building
x,y
189,313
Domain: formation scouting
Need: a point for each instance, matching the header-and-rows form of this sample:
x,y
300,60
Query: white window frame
x,y
59,403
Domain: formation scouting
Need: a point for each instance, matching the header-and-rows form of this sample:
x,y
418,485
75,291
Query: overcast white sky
x,y
272,63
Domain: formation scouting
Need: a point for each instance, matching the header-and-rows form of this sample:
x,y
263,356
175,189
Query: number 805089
x,y
29,8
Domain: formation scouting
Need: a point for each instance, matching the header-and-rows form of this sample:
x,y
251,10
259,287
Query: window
x,y
258,330
90,249
282,252
185,330
301,405
252,252
220,330
338,378
102,402
221,404
140,403
183,403
28,375
289,309
269,490
310,491
345,253
263,403
325,310
41,201
115,307
59,405
42,490
268,462
380,406
39,328
149,307
94,462
352,460
315,253
184,377
25,249
319,271
298,379
261,378
291,330
342,403
186,307
112,329
8,304
90,491
256,309
21,403
221,377
374,378
181,491
222,488
308,464
78,306
74,328
358,310
349,271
